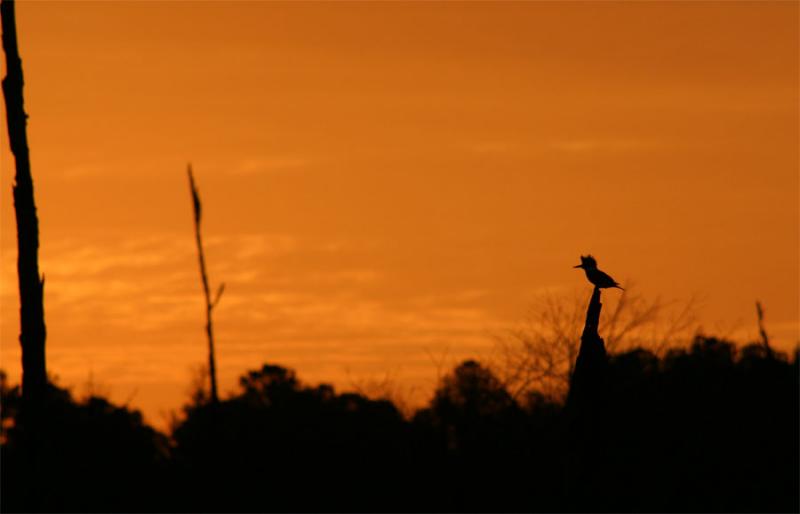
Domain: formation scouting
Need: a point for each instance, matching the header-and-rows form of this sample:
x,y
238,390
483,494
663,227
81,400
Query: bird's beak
x,y
578,266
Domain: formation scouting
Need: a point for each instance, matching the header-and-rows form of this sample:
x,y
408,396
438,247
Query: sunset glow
x,y
389,186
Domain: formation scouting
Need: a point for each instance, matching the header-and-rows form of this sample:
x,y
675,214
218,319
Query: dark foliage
x,y
706,429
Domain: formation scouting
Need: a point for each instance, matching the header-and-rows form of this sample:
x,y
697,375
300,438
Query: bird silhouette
x,y
600,279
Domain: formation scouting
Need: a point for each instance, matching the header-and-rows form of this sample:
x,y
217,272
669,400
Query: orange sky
x,y
385,183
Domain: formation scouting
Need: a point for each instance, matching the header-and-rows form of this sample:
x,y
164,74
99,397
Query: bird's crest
x,y
588,261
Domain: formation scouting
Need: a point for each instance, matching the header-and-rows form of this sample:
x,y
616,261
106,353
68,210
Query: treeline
x,y
709,428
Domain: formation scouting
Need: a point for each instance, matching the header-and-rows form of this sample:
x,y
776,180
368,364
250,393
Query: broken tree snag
x,y
31,285
212,368
586,420
587,380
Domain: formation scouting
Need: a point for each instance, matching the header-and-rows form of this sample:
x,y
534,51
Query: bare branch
x,y
761,329
220,290
540,354
197,208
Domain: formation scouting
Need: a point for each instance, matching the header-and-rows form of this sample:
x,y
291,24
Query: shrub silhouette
x,y
95,457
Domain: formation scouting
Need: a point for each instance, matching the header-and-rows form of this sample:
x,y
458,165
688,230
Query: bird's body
x,y
600,279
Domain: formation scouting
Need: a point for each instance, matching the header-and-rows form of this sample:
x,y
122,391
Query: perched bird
x,y
600,279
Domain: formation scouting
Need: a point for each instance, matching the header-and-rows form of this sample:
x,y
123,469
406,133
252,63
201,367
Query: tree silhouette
x,y
99,458
278,444
707,428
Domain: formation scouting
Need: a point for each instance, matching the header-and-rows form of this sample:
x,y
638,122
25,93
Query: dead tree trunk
x,y
31,285
212,369
587,379
586,420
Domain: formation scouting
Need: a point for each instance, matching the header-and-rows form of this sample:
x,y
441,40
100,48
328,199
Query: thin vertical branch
x,y
31,286
761,329
212,369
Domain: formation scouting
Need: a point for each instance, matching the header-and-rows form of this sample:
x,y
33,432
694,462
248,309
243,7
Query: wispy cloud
x,y
84,170
594,145
141,297
492,147
260,165
568,145
248,246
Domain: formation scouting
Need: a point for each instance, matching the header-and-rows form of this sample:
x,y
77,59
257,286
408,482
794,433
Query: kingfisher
x,y
600,279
